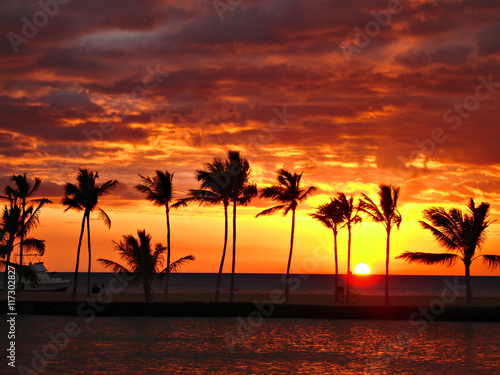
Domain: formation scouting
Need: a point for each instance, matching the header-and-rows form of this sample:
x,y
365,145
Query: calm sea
x,y
277,346
482,286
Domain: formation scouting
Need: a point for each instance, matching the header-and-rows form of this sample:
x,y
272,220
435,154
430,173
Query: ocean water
x,y
130,346
482,286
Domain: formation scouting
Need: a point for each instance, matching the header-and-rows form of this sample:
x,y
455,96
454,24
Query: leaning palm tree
x,y
288,192
386,213
159,190
460,233
332,216
214,189
21,193
84,197
241,192
145,264
351,217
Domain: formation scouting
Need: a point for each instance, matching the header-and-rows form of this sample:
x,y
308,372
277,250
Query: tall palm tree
x,y
159,190
460,233
332,216
241,192
145,264
21,193
10,224
288,192
214,189
84,197
351,217
386,213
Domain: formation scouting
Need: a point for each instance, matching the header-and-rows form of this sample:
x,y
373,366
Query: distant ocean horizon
x,y
403,285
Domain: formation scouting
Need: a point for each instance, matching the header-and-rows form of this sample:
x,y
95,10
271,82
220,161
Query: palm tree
x,y
458,232
332,216
214,190
84,197
12,226
159,190
21,193
386,213
241,192
288,192
9,230
351,217
145,264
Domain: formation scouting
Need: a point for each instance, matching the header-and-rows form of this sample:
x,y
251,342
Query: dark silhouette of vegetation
x,y
242,191
351,217
386,213
214,189
145,263
20,217
288,192
331,216
461,233
9,230
84,197
159,190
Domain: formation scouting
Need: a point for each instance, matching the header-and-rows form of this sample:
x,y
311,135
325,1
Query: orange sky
x,y
130,87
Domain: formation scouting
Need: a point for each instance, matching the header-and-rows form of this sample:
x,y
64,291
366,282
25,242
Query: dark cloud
x,y
450,55
129,86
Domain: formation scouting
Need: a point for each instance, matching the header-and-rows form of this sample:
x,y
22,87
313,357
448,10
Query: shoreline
x,y
319,306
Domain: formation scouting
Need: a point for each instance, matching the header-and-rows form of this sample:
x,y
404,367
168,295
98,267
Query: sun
x,y
362,269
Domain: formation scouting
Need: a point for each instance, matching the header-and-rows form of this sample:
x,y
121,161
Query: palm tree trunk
x,y
387,249
468,287
231,292
6,273
90,255
219,276
348,283
167,271
336,267
21,247
287,286
75,282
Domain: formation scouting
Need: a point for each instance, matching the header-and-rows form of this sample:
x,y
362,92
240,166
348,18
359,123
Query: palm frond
x,y
271,210
248,192
104,216
443,239
491,261
275,192
368,207
323,219
429,258
204,197
309,191
158,189
33,244
180,203
116,267
72,204
176,266
106,188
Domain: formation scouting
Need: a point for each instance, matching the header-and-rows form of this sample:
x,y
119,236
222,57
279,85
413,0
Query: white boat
x,y
46,282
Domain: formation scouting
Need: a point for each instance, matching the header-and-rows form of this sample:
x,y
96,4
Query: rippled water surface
x,y
276,346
